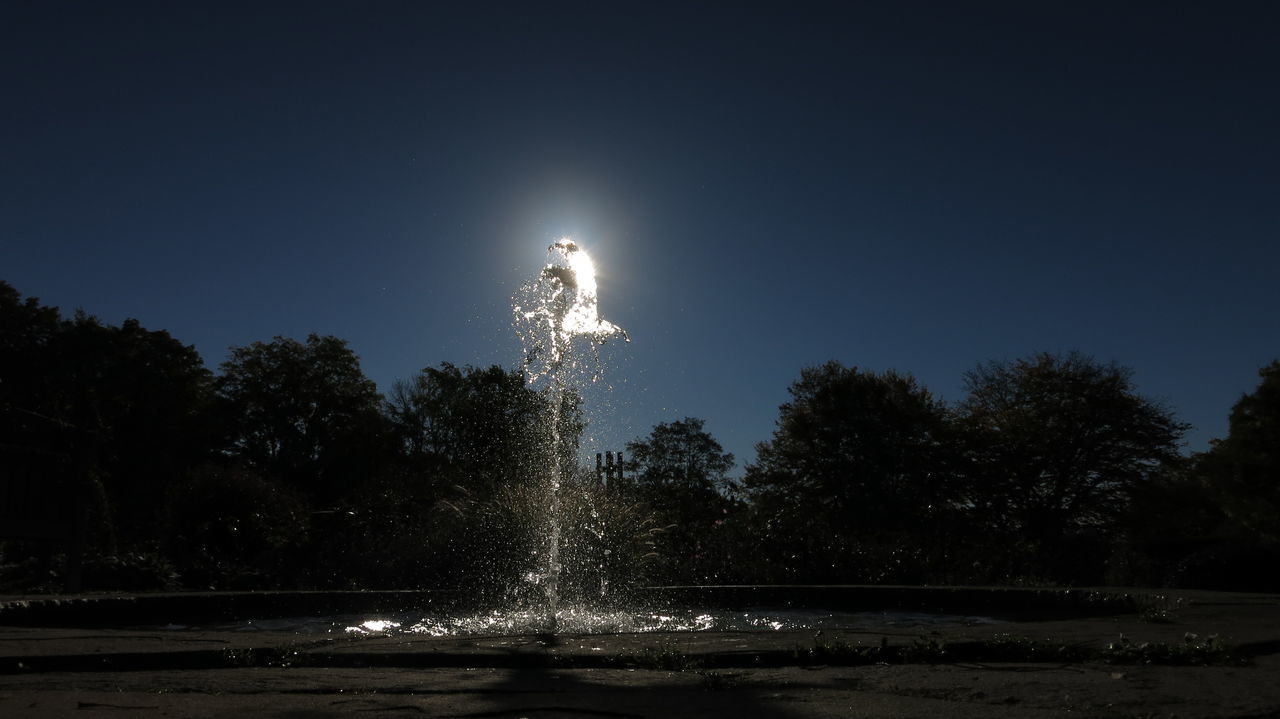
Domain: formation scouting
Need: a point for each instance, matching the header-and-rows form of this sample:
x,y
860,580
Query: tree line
x,y
1052,470
288,469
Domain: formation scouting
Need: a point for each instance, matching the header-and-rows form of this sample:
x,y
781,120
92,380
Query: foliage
x,y
474,428
131,571
474,460
117,413
1242,471
1057,446
303,413
28,331
680,456
856,466
681,472
289,470
145,399
870,444
230,528
393,534
1165,531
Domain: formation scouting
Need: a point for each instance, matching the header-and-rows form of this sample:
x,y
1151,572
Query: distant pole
x,y
608,467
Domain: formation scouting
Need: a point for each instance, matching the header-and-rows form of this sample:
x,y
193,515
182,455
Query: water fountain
x,y
343,647
556,314
556,317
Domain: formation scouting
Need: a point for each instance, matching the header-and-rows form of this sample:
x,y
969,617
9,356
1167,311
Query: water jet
x,y
555,314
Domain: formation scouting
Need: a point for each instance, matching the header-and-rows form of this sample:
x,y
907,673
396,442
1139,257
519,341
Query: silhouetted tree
x,y
1243,469
119,412
1238,480
681,456
1171,534
854,475
303,413
475,428
45,461
33,413
146,397
27,331
228,528
681,472
471,440
1058,444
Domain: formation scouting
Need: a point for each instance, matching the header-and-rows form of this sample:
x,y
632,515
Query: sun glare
x,y
559,305
584,270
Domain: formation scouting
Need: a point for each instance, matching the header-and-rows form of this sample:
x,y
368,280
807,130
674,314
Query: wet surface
x,y
47,672
577,620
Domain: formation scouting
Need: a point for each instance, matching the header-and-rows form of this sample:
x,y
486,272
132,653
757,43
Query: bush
x,y
228,528
130,571
1230,566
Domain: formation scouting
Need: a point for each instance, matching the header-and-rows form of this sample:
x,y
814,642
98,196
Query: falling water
x,y
555,314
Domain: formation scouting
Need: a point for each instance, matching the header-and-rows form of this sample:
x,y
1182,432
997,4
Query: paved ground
x,y
54,672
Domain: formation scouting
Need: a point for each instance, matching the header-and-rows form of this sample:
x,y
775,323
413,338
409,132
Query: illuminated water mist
x,y
556,318
556,308
580,620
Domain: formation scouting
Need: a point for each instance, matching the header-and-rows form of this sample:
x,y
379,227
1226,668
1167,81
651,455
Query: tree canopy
x,y
302,412
288,469
870,445
1056,445
476,428
680,455
128,405
680,473
854,469
1243,469
1058,441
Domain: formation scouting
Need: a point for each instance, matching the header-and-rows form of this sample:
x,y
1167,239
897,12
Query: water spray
x,y
552,311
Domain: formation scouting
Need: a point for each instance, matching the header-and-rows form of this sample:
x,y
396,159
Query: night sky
x,y
915,186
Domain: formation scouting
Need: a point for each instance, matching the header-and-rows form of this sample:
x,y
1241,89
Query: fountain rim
x,y
124,609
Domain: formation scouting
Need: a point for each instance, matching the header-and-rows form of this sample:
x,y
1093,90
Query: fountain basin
x,y
353,608
79,668
181,631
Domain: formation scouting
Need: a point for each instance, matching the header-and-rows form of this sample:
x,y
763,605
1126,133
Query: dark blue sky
x,y
907,185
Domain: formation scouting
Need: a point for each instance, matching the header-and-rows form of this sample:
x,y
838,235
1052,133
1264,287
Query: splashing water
x,y
551,312
580,620
558,306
